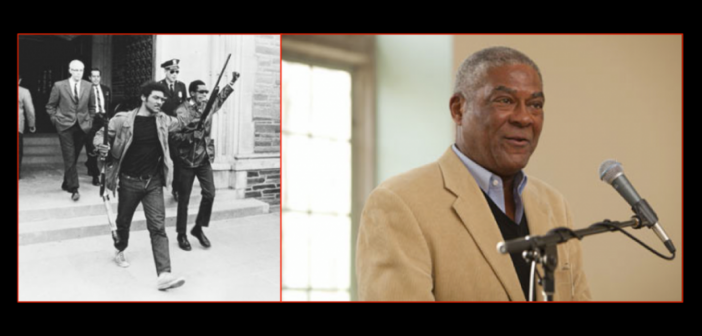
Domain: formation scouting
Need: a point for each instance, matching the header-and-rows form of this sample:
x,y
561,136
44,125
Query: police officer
x,y
175,95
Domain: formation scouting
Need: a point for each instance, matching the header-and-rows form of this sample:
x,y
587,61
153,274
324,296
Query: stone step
x,y
51,158
51,230
46,139
42,150
92,205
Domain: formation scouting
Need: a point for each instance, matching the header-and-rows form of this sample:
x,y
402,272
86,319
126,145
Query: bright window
x,y
316,154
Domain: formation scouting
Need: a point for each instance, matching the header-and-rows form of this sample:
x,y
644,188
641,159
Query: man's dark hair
x,y
95,69
193,86
151,86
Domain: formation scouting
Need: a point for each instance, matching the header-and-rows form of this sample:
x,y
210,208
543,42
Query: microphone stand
x,y
542,249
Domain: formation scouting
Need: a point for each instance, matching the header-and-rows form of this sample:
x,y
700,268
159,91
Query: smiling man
x,y
431,233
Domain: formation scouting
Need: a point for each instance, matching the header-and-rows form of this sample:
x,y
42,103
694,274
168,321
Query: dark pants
x,y
21,152
187,177
71,144
91,162
150,194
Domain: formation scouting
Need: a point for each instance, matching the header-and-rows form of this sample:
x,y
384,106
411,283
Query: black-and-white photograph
x,y
149,167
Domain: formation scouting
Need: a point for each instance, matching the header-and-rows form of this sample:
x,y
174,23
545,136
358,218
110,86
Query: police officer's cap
x,y
171,63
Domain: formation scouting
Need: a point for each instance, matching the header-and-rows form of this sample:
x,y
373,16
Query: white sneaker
x,y
166,280
120,259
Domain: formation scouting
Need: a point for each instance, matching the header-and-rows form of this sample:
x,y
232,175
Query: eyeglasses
x,y
204,91
174,71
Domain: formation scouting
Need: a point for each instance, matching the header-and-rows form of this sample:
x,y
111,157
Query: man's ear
x,y
456,107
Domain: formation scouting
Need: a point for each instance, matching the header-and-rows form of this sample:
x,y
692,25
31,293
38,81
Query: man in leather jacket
x,y
195,155
137,158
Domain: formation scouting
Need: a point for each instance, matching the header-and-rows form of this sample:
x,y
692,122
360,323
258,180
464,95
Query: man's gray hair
x,y
470,75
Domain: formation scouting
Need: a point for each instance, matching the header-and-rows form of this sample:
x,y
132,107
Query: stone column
x,y
231,125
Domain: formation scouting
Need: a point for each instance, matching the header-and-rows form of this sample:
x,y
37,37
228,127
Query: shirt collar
x,y
483,176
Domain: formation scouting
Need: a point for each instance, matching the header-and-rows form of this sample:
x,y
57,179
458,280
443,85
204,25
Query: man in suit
x,y
69,112
100,105
25,105
176,95
431,233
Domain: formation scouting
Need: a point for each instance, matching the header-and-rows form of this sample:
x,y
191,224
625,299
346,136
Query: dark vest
x,y
510,230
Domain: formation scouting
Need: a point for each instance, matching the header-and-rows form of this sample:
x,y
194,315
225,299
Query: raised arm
x,y
223,95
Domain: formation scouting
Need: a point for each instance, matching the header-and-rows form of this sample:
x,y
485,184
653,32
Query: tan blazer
x,y
429,234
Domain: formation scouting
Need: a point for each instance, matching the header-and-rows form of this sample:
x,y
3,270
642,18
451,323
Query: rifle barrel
x,y
213,96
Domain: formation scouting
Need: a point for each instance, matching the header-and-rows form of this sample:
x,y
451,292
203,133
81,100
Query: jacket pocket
x,y
61,119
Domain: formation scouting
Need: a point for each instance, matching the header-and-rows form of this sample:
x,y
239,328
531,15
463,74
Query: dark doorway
x,y
43,60
132,65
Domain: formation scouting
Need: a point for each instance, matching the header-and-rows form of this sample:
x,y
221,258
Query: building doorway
x,y
125,62
43,60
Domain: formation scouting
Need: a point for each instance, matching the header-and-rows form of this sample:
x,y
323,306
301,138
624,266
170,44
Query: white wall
x,y
194,59
414,81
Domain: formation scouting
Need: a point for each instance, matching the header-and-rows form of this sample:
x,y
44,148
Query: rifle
x,y
213,96
104,193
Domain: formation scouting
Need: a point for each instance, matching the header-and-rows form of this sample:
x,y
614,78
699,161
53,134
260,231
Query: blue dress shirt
x,y
491,185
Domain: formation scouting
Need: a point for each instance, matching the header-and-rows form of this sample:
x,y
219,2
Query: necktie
x,y
171,89
75,92
97,97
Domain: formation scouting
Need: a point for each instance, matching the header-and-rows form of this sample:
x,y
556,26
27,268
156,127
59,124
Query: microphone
x,y
612,172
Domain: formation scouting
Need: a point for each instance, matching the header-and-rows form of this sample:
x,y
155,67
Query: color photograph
x,y
412,171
